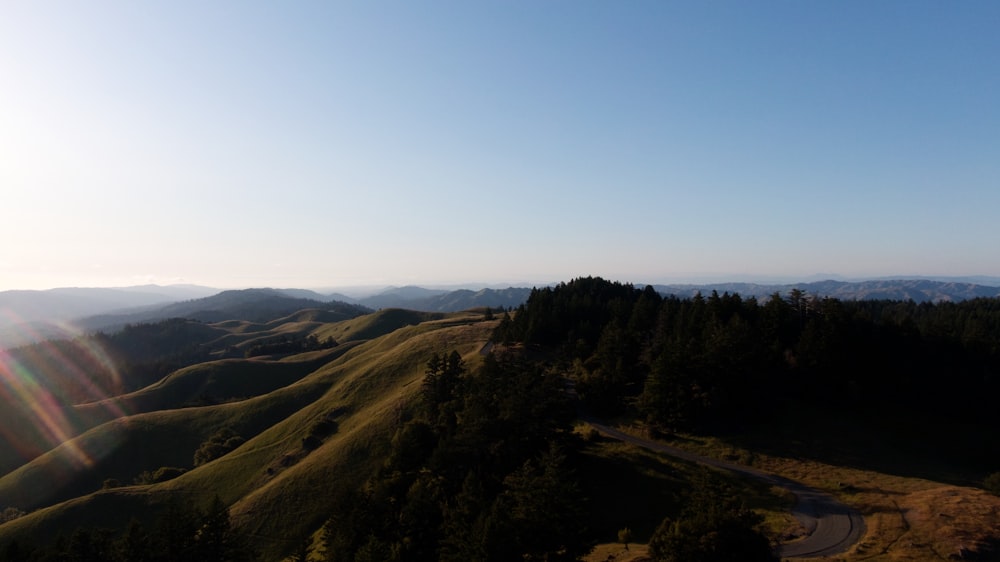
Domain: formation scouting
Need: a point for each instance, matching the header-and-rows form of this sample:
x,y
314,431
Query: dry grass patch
x,y
615,552
907,518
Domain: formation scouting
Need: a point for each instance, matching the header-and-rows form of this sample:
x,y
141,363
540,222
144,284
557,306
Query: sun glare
x,y
38,419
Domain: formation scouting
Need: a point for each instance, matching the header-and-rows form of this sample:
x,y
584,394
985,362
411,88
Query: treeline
x,y
183,533
721,361
480,472
286,344
100,365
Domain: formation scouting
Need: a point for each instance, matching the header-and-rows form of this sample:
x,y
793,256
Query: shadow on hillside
x,y
947,452
628,489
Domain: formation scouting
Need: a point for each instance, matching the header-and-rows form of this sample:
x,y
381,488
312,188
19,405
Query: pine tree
x,y
214,539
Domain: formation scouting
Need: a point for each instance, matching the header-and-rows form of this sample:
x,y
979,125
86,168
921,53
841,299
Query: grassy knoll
x,y
378,324
203,384
241,334
125,447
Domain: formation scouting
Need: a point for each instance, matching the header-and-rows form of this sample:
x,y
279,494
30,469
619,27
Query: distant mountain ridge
x,y
69,303
29,316
99,310
253,305
437,300
918,290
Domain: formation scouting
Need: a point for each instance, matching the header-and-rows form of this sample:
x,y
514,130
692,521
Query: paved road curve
x,y
832,526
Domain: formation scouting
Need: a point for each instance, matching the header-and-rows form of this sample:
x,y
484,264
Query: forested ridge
x,y
480,472
722,362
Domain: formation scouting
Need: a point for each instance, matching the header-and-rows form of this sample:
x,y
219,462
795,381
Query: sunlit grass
x,y
271,481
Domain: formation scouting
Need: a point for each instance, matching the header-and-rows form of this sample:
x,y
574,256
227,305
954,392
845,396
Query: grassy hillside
x,y
278,483
378,324
212,382
57,390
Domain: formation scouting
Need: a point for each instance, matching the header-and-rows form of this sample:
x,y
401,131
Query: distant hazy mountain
x,y
465,299
30,316
254,305
987,280
307,294
919,290
431,300
71,302
400,297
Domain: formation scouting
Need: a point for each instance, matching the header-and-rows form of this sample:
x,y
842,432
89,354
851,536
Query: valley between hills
x,y
334,432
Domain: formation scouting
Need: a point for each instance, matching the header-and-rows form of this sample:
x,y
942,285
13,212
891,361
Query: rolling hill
x,y
437,300
95,367
253,305
271,480
30,316
55,305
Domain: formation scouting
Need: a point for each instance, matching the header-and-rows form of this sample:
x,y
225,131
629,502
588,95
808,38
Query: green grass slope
x,y
125,447
210,382
378,324
279,490
279,483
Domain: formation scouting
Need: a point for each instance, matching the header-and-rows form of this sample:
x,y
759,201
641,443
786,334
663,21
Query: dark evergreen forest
x,y
181,533
722,363
482,471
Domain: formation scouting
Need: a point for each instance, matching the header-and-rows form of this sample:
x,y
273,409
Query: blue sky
x,y
324,144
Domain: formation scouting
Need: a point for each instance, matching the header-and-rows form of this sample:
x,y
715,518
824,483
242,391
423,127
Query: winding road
x,y
832,527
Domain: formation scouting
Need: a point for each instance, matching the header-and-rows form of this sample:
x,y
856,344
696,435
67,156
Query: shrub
x,y
625,536
320,430
219,444
713,526
111,483
10,514
161,474
311,442
992,483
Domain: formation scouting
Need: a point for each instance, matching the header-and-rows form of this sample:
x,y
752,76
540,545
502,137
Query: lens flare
x,y
40,387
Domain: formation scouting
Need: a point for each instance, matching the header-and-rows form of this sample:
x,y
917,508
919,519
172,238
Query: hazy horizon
x,y
368,289
357,144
